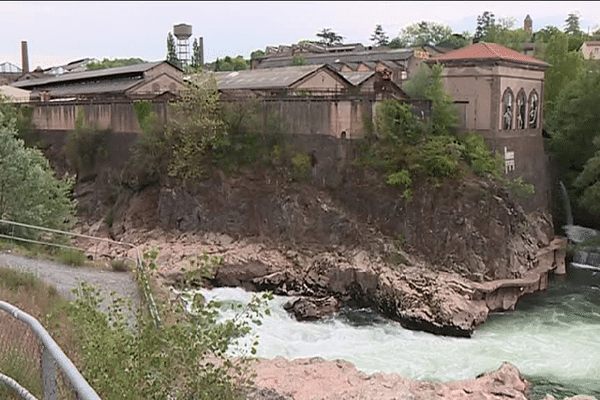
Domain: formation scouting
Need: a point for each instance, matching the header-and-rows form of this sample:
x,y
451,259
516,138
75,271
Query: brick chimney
x,y
24,57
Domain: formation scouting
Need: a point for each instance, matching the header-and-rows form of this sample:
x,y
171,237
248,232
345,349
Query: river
x,y
553,338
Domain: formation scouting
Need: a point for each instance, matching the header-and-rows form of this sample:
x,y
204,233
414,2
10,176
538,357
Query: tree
x,y
29,191
379,37
572,24
172,50
427,83
298,60
257,54
329,38
397,43
485,26
425,33
573,125
196,55
114,63
565,67
196,128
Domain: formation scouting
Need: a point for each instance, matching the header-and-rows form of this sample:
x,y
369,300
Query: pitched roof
x,y
267,78
137,68
357,77
488,51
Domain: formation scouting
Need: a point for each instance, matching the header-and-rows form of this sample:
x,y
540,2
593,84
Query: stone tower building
x,y
527,24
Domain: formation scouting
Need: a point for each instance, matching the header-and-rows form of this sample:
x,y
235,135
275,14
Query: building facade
x,y
499,95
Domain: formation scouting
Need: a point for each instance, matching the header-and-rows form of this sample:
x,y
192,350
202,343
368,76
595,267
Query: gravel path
x,y
65,278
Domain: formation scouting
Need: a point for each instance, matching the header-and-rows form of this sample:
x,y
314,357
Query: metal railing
x,y
50,354
52,357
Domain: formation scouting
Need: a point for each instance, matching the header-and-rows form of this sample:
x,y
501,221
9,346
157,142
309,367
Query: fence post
x,y
48,375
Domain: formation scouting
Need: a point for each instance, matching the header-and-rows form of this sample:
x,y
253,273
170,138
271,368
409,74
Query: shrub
x,y
72,257
479,157
301,166
440,155
120,265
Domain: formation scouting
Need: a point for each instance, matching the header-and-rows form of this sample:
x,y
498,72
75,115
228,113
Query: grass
x,y
19,348
120,265
72,257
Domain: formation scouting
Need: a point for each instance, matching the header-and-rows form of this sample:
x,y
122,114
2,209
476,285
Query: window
x,y
533,109
507,109
521,110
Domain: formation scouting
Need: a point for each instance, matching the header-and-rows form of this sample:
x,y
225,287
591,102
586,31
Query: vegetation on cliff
x,y
29,190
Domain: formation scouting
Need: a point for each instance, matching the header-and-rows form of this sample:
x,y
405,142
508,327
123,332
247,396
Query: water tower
x,y
183,32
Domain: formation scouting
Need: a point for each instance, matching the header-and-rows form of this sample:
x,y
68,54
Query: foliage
x,y
29,191
397,43
425,33
257,54
403,180
458,40
396,122
379,37
427,83
565,67
196,129
114,63
588,182
478,156
172,50
572,24
196,55
231,64
188,357
301,166
440,156
85,146
485,25
328,37
298,60
72,257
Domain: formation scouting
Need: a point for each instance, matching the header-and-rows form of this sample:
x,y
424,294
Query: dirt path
x,y
65,278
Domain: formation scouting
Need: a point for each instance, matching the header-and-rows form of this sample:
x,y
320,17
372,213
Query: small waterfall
x,y
567,202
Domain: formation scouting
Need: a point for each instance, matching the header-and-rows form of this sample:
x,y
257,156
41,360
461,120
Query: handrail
x,y
78,383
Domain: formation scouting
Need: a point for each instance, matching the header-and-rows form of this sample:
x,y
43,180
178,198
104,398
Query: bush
x,y
120,265
440,156
187,358
479,157
301,166
72,257
85,146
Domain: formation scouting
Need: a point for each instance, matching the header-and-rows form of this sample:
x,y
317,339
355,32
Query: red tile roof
x,y
488,51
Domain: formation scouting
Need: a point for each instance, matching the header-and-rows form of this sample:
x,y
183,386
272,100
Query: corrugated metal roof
x,y
266,78
101,73
107,87
490,51
357,77
350,57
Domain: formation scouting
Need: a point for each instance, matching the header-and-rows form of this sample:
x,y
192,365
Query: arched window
x,y
507,109
521,110
534,109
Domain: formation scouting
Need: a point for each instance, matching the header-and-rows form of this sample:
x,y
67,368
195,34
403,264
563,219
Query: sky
x,y
60,32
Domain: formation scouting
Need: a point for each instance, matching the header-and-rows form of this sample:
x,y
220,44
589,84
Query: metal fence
x,y
26,348
38,349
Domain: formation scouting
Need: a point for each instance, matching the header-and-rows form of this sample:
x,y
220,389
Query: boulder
x,y
311,309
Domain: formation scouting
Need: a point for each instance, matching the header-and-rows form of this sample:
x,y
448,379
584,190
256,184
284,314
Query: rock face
x,y
315,378
439,263
311,309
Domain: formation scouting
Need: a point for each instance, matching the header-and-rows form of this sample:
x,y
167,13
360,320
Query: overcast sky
x,y
60,32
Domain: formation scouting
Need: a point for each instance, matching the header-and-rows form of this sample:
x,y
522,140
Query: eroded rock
x,y
311,309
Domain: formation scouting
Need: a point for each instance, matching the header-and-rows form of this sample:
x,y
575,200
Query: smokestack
x,y
201,45
24,57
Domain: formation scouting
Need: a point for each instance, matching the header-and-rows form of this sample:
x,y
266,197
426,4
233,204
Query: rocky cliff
x,y
440,263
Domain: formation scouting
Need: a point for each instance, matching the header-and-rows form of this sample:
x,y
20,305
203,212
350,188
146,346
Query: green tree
x,y
485,26
572,24
379,37
328,37
196,128
573,126
427,83
29,191
588,182
425,33
257,54
298,60
397,43
196,55
116,62
564,67
172,50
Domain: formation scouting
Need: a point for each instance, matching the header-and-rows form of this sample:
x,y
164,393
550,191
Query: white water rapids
x,y
552,337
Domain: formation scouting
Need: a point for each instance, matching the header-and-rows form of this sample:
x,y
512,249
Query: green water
x,y
553,338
